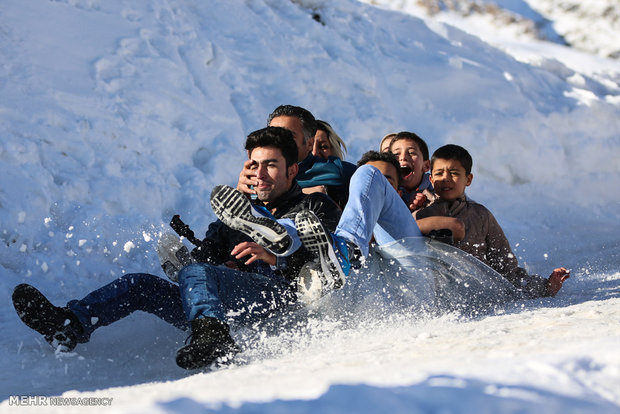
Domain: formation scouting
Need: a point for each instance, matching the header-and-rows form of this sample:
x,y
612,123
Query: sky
x,y
116,115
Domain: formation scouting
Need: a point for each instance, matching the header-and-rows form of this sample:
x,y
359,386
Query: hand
x,y
231,265
247,178
256,251
418,202
315,189
557,277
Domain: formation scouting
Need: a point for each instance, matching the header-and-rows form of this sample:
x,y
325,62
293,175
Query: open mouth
x,y
405,171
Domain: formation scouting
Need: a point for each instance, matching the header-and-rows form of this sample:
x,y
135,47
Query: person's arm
x,y
212,249
556,279
503,260
315,189
418,202
429,224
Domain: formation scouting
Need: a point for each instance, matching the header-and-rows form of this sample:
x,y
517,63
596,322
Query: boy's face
x,y
449,179
412,164
388,170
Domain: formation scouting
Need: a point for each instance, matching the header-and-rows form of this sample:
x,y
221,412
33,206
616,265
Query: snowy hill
x,y
117,114
588,26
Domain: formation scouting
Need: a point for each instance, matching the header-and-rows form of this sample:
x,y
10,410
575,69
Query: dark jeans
x,y
221,293
204,291
127,294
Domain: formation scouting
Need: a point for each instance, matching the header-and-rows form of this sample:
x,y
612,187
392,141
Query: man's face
x,y
449,179
272,176
293,124
412,164
322,147
388,170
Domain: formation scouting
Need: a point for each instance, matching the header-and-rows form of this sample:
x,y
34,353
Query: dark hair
x,y
453,152
413,137
382,156
276,137
308,123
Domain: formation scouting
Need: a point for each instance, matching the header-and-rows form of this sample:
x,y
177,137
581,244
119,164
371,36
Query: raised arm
x,y
429,224
247,178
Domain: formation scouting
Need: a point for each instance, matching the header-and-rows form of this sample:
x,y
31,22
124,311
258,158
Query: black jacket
x,y
221,239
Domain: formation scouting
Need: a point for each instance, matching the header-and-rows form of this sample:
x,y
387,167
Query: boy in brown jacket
x,y
484,238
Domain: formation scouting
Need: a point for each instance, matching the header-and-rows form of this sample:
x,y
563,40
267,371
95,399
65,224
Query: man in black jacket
x,y
264,283
253,285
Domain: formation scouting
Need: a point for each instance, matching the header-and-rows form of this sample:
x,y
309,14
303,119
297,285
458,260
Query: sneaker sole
x,y
235,210
173,255
314,238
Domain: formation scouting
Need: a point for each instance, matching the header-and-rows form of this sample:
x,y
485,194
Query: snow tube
x,y
420,276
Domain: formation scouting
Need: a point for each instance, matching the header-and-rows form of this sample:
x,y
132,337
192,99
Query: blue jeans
x,y
125,295
205,291
374,207
222,293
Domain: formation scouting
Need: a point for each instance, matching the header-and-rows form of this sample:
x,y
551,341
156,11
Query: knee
x,y
364,172
192,271
136,279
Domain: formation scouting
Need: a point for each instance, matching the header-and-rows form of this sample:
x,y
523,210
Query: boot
x,y
210,341
59,326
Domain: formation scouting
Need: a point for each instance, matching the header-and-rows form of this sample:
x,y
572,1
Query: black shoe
x,y
59,326
235,210
210,342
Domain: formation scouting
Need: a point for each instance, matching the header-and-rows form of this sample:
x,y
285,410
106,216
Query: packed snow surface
x,y
117,114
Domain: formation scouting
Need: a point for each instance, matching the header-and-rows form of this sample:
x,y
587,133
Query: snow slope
x,y
116,115
591,26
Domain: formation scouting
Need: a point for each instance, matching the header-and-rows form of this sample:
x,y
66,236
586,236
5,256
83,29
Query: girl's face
x,y
322,146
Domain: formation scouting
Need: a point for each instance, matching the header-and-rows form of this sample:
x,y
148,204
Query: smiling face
x,y
322,147
449,179
274,178
412,163
388,170
293,124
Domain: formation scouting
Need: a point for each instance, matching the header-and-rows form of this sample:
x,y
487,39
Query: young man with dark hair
x,y
207,294
451,167
315,173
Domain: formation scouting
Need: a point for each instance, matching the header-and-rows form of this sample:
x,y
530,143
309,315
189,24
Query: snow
x,y
115,115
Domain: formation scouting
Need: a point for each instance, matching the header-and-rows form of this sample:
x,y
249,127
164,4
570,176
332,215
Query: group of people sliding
x,y
297,208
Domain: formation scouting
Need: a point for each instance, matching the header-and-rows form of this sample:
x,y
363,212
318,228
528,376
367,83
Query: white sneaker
x,y
173,255
235,210
333,265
